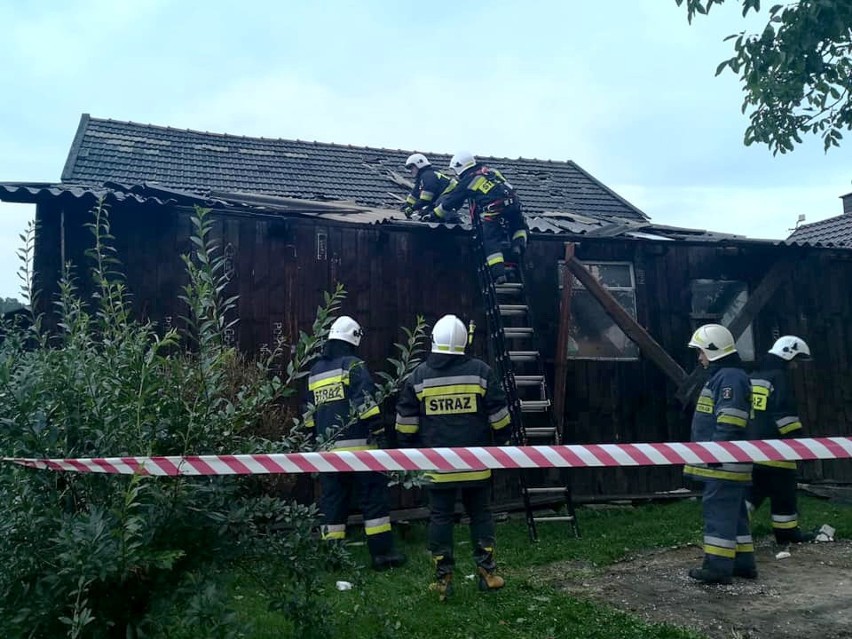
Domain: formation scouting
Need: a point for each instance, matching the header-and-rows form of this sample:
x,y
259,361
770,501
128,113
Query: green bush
x,y
88,555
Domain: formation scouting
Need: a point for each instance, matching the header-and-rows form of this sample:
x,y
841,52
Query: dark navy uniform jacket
x,y
722,414
774,411
341,392
429,185
452,400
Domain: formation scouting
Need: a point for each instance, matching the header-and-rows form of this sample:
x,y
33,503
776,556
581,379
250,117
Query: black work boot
x,y
443,584
392,559
746,572
707,576
794,536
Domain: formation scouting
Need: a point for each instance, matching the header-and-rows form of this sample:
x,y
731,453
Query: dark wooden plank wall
x,y
391,275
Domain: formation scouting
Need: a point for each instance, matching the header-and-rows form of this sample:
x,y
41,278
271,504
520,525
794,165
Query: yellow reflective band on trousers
x,y
728,553
333,531
785,522
469,475
427,196
377,526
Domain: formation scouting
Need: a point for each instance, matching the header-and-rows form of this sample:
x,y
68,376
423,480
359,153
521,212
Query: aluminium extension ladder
x,y
519,366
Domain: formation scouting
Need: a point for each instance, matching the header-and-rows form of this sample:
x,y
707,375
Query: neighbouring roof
x,y
132,153
834,232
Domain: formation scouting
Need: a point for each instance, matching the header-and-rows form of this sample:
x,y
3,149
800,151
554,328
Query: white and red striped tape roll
x,y
462,459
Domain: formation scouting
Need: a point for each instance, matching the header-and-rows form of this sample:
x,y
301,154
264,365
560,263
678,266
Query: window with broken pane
x,y
593,334
718,302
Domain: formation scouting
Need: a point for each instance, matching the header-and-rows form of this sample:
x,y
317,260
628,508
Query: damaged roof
x,y
132,153
259,204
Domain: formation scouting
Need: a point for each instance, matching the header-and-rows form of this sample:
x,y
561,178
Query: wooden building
x,y
285,246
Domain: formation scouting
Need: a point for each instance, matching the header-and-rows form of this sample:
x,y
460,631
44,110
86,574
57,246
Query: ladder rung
x,y
523,356
560,518
512,309
535,405
529,380
547,489
540,432
509,287
517,331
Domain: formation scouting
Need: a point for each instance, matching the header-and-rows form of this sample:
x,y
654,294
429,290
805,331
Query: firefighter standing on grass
x,y
429,186
453,399
341,391
774,416
497,204
722,414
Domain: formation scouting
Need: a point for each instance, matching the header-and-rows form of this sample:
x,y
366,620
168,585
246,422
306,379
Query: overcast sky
x,y
624,88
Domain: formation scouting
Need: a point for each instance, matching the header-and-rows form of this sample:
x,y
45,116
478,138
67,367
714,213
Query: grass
x,y
397,603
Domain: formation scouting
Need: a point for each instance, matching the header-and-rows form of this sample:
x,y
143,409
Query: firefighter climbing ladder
x,y
510,321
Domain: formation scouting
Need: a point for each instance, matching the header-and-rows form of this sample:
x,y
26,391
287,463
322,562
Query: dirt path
x,y
805,596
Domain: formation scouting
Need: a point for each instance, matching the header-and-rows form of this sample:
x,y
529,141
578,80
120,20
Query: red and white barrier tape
x,y
462,459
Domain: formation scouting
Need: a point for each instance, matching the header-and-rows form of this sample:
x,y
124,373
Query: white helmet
x,y
461,162
715,340
449,336
790,346
346,329
417,159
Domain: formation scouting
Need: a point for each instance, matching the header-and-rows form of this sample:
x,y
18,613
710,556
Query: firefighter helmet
x,y
417,160
461,162
449,336
789,347
714,340
346,329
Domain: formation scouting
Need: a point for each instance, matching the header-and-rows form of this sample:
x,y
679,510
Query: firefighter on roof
x,y
774,416
497,204
453,399
341,391
429,185
722,414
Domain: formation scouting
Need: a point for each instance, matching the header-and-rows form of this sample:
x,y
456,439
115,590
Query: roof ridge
x,y
234,136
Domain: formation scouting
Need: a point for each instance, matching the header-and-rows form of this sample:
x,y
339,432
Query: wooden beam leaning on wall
x,y
561,372
777,275
626,323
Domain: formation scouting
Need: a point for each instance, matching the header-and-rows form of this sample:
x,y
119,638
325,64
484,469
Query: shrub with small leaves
x,y
87,555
